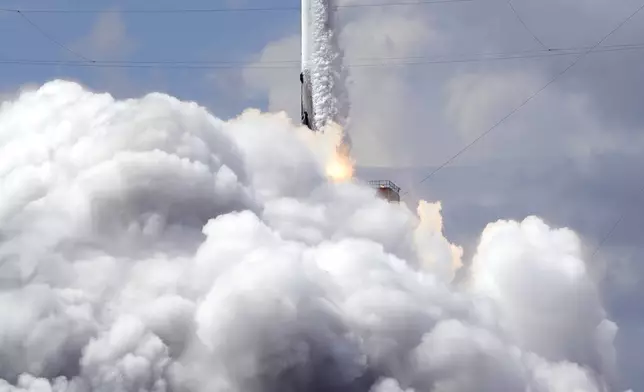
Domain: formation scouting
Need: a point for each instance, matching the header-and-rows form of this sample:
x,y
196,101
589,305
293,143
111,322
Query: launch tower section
x,y
387,190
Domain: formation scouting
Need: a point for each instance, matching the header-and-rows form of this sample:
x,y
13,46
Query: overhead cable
x,y
610,232
292,64
50,37
525,26
225,9
531,97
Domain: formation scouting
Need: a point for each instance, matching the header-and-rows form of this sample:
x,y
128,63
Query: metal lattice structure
x,y
386,189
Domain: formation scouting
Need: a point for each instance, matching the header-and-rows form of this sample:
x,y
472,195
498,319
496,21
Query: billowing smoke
x,y
328,76
146,245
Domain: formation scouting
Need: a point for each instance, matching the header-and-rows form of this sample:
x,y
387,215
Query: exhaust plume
x,y
146,245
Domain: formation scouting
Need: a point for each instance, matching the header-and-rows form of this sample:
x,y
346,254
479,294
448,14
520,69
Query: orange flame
x,y
340,167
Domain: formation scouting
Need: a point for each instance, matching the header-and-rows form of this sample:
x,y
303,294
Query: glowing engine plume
x,y
340,168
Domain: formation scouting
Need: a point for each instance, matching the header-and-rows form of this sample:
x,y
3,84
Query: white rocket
x,y
322,97
305,73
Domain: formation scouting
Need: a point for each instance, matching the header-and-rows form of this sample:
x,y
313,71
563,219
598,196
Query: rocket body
x,y
321,68
306,34
306,96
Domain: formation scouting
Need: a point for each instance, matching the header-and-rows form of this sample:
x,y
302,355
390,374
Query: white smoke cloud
x,y
146,245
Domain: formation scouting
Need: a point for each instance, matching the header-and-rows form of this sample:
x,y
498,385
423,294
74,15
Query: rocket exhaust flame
x,y
335,154
341,166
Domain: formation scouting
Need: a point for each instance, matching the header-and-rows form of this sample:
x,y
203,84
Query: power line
x,y
610,232
48,36
51,38
564,71
292,64
217,10
511,55
525,26
508,56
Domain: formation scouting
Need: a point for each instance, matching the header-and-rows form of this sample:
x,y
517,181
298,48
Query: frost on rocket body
x,y
328,76
146,245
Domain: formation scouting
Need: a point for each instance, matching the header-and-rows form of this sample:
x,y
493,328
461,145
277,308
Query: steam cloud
x,y
328,76
146,245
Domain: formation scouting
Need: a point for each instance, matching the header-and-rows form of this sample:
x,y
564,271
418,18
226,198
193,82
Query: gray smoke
x,y
146,245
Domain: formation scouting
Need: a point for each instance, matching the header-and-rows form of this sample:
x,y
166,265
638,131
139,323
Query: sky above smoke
x,y
572,156
148,245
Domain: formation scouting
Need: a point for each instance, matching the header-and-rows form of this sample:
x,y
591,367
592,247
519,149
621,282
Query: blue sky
x,y
225,36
